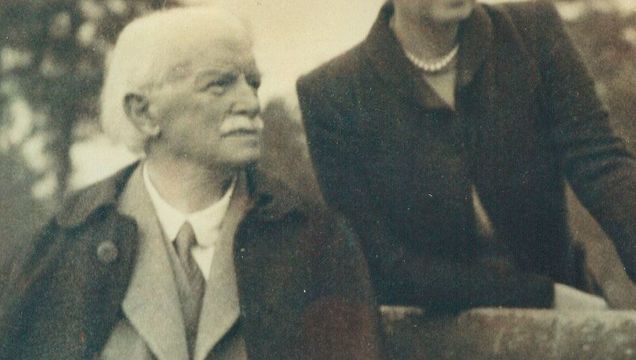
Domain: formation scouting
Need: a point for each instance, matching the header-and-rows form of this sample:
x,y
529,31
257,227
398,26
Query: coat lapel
x,y
220,309
387,57
152,302
476,42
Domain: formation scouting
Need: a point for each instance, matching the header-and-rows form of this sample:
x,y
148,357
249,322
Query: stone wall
x,y
501,334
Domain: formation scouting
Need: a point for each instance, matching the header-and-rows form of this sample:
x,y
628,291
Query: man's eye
x,y
219,83
253,79
255,83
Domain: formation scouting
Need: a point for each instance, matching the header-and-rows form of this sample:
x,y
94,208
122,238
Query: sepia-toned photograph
x,y
298,179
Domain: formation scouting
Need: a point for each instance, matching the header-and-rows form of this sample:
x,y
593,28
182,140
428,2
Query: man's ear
x,y
137,108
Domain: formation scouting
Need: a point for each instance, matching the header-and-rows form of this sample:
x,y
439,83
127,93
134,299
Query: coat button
x,y
107,252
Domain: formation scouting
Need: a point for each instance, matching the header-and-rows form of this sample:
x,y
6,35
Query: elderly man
x,y
192,253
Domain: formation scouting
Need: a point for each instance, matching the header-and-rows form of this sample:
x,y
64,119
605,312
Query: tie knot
x,y
185,239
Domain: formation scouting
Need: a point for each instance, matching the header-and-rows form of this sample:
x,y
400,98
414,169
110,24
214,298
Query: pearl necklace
x,y
433,66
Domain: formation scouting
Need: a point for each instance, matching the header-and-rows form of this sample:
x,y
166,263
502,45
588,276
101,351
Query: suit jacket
x,y
400,164
302,281
152,327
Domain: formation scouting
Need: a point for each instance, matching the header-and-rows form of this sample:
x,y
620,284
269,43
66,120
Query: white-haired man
x,y
191,253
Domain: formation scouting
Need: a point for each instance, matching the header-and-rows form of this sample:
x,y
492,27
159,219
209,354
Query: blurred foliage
x,y
605,34
286,156
53,53
52,56
20,211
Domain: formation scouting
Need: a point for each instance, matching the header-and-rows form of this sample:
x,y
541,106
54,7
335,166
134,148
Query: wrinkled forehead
x,y
225,52
222,47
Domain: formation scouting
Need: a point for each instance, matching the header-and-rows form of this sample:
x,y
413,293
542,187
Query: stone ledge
x,y
510,334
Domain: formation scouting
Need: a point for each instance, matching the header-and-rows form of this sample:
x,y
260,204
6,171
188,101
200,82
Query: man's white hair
x,y
149,51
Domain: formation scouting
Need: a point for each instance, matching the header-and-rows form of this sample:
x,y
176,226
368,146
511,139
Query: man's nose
x,y
246,100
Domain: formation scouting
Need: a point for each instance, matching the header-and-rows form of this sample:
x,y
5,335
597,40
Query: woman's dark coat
x,y
304,290
400,163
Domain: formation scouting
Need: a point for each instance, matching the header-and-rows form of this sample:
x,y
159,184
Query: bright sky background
x,y
293,36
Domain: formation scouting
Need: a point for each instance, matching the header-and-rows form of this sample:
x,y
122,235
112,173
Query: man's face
x,y
436,11
209,112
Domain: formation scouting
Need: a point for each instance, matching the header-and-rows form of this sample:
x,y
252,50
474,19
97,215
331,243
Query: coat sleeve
x,y
20,274
342,320
596,161
399,276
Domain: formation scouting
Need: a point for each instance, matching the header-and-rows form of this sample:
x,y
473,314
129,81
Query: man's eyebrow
x,y
219,71
201,79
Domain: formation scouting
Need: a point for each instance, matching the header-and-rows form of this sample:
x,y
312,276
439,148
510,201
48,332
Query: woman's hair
x,y
153,50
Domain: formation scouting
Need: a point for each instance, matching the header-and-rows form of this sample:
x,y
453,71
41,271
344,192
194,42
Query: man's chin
x,y
242,159
455,14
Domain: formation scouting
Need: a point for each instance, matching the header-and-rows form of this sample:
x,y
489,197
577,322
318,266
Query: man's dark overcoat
x,y
400,163
303,283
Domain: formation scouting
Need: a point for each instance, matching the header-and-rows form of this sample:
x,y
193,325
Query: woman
x,y
452,117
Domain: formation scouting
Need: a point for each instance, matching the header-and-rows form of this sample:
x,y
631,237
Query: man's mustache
x,y
241,124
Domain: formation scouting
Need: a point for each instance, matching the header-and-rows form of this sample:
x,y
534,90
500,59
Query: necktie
x,y
184,242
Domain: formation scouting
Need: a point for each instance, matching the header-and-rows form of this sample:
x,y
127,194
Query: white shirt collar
x,y
206,223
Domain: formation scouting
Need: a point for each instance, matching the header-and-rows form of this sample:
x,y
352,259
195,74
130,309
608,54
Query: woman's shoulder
x,y
335,79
